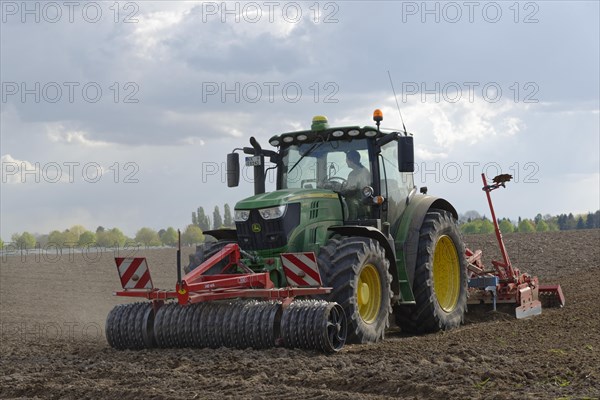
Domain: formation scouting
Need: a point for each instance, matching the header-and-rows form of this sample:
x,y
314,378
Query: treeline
x,y
472,222
79,236
204,222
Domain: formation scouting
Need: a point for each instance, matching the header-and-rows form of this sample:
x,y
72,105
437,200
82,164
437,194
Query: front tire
x,y
440,283
358,271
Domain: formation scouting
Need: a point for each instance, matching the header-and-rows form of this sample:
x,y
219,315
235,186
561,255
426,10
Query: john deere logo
x,y
256,228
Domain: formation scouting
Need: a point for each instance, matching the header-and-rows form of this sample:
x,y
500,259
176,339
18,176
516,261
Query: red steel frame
x,y
513,286
196,287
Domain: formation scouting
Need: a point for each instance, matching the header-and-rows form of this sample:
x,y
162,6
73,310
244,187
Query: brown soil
x,y
53,345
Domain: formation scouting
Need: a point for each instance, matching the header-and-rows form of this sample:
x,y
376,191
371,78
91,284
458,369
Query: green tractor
x,y
347,195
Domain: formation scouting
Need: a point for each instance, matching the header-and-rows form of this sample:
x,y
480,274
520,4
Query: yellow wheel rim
x,y
446,273
368,293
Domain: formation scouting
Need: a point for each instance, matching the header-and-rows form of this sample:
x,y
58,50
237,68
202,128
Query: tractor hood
x,y
283,196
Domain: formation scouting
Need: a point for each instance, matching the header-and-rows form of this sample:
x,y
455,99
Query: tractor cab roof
x,y
328,134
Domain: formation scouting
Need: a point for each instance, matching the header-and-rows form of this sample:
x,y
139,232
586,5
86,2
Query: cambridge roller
x,y
303,324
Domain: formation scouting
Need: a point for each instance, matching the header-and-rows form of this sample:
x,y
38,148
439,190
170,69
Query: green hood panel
x,y
283,196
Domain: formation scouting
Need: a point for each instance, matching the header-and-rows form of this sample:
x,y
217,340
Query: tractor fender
x,y
223,234
407,234
375,234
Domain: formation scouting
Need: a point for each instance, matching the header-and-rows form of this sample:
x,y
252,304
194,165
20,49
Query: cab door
x,y
395,186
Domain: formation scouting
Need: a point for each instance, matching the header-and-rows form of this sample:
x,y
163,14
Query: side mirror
x,y
406,154
233,169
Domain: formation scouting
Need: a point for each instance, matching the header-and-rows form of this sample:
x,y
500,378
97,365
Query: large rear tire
x,y
358,271
204,252
440,283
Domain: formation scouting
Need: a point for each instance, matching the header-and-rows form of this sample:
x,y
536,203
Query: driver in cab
x,y
359,177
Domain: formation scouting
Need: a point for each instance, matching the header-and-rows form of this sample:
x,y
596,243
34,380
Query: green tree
x,y
526,226
24,240
589,221
486,226
580,223
102,239
1,244
69,238
192,235
227,219
541,226
217,219
170,237
42,240
552,225
471,227
571,222
506,226
147,237
77,230
87,238
111,238
100,229
202,219
56,238
561,220
117,237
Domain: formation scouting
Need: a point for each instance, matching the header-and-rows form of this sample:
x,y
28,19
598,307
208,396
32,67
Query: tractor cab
x,y
369,169
343,167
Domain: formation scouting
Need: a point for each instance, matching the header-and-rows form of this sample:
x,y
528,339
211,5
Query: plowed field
x,y
53,309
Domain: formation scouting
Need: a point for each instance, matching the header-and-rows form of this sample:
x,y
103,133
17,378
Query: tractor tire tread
x,y
426,316
340,263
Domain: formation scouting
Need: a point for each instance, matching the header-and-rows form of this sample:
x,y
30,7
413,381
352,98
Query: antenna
x,y
397,105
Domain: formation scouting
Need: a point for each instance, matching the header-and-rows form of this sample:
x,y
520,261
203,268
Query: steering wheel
x,y
333,183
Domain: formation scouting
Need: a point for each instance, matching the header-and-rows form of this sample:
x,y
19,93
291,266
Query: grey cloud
x,y
559,53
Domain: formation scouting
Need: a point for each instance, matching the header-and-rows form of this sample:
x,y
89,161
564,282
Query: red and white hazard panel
x,y
301,269
134,273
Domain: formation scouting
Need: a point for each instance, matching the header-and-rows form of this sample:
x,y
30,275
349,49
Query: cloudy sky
x,y
121,113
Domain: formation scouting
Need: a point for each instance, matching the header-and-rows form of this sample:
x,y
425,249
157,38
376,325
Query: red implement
x,y
301,271
510,286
